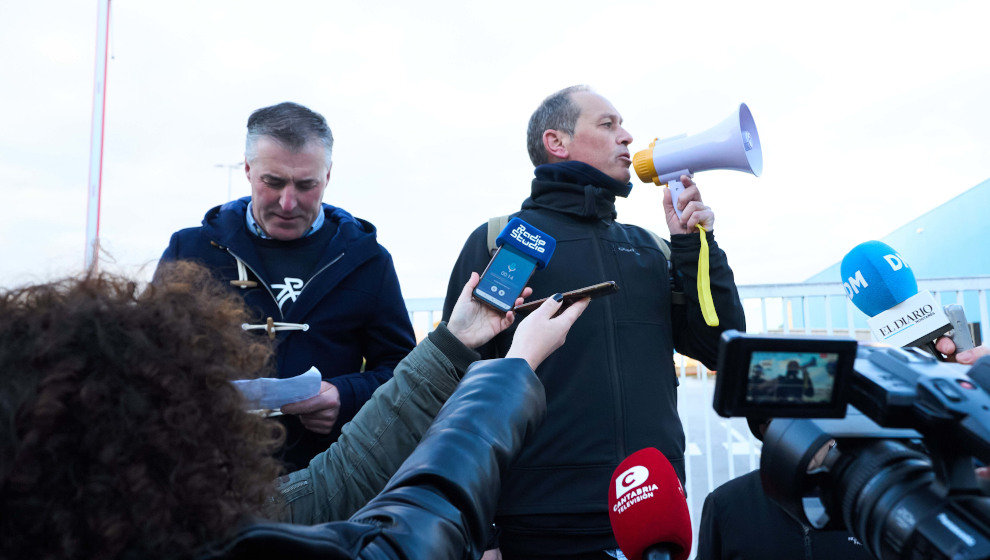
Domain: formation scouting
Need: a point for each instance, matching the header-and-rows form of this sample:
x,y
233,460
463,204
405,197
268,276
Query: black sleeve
x,y
709,538
444,495
387,337
170,254
692,336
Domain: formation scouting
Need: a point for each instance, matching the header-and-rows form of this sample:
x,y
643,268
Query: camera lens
x,y
872,487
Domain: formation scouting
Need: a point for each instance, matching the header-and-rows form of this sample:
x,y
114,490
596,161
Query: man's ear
x,y
247,169
555,142
329,167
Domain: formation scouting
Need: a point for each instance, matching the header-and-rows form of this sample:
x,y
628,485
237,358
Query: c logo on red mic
x,y
630,479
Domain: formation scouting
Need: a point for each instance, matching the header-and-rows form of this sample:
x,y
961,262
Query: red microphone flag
x,y
647,506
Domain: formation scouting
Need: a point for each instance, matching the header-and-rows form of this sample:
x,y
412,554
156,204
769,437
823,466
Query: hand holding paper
x,y
272,394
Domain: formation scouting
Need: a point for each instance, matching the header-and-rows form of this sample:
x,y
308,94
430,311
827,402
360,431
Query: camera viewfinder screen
x,y
791,377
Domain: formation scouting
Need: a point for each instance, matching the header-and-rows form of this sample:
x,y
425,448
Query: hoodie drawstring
x,y
242,281
271,327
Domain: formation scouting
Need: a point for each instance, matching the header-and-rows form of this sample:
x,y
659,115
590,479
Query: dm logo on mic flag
x,y
876,278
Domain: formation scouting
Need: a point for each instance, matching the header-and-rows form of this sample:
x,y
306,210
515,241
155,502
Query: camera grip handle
x,y
960,333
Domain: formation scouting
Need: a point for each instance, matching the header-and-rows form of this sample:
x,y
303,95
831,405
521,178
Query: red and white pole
x,y
96,135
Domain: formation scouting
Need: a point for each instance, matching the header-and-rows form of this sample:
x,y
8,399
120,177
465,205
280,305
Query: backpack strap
x,y
662,243
495,226
677,297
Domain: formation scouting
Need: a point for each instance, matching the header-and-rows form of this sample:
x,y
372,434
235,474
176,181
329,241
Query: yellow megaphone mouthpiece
x,y
643,164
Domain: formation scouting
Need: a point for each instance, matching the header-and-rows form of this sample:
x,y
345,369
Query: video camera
x,y
880,441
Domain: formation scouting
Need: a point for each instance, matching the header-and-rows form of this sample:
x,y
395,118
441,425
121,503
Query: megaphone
x,y
732,144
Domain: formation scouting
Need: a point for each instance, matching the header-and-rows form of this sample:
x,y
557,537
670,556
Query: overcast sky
x,y
870,114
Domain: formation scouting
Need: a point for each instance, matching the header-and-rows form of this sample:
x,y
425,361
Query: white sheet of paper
x,y
271,393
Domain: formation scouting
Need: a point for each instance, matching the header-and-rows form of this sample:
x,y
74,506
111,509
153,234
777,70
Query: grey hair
x,y
557,112
290,124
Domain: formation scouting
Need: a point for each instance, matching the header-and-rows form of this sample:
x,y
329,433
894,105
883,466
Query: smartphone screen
x,y
504,279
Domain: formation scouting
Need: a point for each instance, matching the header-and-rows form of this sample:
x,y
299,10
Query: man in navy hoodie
x,y
320,284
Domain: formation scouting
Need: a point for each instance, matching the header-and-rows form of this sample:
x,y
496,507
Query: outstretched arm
x,y
439,503
388,427
475,324
544,331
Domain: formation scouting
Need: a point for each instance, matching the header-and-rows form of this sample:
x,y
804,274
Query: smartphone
x,y
504,278
596,290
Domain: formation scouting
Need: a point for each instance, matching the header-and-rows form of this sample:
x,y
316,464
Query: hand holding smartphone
x,y
522,249
504,278
596,290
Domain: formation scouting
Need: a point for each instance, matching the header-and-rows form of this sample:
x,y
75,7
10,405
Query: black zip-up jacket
x,y
739,522
611,388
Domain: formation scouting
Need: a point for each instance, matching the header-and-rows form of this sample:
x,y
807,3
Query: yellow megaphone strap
x,y
705,283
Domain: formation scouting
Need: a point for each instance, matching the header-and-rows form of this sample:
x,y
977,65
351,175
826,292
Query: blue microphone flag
x,y
876,278
528,240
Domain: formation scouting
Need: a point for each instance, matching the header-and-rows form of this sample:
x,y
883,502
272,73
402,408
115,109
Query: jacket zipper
x,y
620,438
318,272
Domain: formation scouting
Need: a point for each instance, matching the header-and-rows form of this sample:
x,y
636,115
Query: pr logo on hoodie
x,y
289,290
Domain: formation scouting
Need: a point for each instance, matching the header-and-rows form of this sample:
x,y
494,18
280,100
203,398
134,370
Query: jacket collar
x,y
254,227
575,188
227,224
354,243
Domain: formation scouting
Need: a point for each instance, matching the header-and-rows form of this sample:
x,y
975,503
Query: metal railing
x,y
811,307
805,308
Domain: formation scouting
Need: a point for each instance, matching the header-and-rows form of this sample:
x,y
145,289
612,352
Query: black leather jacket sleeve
x,y
439,503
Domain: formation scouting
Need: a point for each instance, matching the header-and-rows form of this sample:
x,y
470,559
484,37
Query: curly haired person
x,y
123,387
121,436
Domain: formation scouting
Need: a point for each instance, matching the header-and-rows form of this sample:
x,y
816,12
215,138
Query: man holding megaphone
x,y
612,388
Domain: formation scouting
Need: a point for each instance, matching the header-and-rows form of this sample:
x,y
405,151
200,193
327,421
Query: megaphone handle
x,y
676,188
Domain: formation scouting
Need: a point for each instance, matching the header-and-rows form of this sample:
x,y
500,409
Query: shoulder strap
x,y
495,226
662,243
677,297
